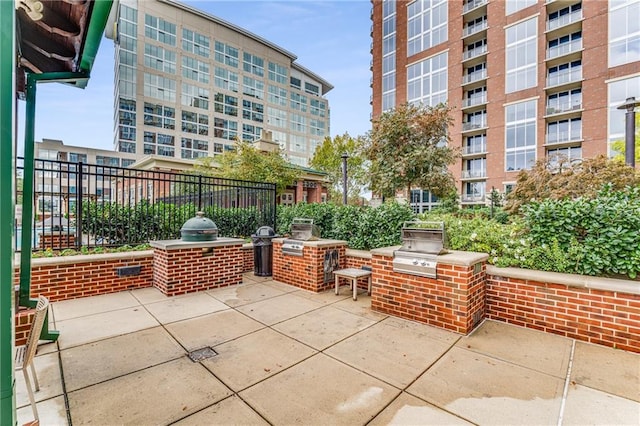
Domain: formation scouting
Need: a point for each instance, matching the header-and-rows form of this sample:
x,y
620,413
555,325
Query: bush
x,y
363,228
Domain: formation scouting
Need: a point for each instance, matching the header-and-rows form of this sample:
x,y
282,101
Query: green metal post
x,y
7,212
27,194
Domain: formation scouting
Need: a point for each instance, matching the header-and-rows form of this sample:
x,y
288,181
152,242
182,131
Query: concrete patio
x,y
288,356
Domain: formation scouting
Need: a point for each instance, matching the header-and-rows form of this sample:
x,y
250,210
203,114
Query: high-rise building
x,y
187,84
527,79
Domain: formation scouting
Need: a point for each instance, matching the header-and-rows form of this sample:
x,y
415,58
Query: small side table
x,y
352,274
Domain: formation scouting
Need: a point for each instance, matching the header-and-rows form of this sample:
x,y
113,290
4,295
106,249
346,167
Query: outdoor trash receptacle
x,y
263,251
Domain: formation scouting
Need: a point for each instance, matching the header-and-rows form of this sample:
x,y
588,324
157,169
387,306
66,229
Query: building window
x,y
194,96
473,192
159,116
253,64
388,55
520,144
160,88
160,30
193,148
253,111
570,154
277,117
298,123
277,73
298,102
624,32
195,69
563,45
225,129
226,104
252,87
226,54
195,43
567,100
513,6
423,201
564,73
277,95
296,83
427,24
195,123
316,127
226,80
250,133
427,81
318,108
619,91
159,59
522,60
312,89
564,131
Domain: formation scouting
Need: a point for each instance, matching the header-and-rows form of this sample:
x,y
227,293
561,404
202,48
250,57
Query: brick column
x,y
454,300
184,267
306,271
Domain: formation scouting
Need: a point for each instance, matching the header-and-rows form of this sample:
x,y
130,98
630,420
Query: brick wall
x,y
453,301
23,320
247,257
357,259
306,271
70,277
186,270
606,317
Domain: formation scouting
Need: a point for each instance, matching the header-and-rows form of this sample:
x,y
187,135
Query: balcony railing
x,y
473,4
474,76
474,28
474,174
561,137
564,77
473,198
474,125
476,148
474,100
564,107
475,52
564,49
563,20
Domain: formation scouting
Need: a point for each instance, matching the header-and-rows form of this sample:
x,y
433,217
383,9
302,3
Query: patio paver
x,y
486,390
591,406
230,411
75,308
409,410
187,306
244,294
278,309
320,390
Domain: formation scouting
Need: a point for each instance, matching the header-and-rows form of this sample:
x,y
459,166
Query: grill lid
x,y
424,237
199,228
303,229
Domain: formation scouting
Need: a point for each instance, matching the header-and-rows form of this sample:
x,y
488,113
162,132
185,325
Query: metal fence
x,y
94,205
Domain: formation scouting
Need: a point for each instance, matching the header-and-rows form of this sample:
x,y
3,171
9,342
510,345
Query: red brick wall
x,y
23,320
188,270
86,276
306,271
56,241
454,301
247,258
597,316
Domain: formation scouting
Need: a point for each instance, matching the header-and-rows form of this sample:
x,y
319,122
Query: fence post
x,y
199,193
79,196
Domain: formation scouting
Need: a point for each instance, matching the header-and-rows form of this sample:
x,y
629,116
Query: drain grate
x,y
202,354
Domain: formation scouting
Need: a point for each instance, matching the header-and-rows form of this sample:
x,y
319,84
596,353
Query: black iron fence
x,y
94,205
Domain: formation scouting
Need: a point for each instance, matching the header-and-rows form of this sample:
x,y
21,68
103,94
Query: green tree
x,y
619,145
245,162
328,158
408,147
563,179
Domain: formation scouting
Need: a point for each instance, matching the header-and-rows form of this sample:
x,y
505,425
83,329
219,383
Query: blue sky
x,y
331,38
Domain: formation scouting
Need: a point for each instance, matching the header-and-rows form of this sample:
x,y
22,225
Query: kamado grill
x,y
301,230
422,242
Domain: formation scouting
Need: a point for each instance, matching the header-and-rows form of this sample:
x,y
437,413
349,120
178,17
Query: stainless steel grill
x,y
422,242
301,230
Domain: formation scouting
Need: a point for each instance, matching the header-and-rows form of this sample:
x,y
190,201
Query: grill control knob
x,y
423,263
415,262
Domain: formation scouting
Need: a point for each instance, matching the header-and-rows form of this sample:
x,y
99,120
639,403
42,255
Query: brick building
x,y
526,79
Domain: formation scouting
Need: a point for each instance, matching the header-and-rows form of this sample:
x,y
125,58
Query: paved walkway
x,y
287,356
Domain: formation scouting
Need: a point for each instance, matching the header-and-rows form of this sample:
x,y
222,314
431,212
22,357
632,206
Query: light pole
x,y
344,178
630,130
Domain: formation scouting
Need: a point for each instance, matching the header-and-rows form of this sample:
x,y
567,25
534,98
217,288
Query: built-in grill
x,y
422,242
302,230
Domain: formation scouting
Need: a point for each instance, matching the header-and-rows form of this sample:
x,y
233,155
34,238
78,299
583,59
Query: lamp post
x,y
630,130
344,178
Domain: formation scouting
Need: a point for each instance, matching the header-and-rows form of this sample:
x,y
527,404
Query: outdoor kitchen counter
x,y
453,257
179,244
322,242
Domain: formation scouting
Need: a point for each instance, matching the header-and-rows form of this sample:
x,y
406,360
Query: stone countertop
x,y
179,244
452,257
317,243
